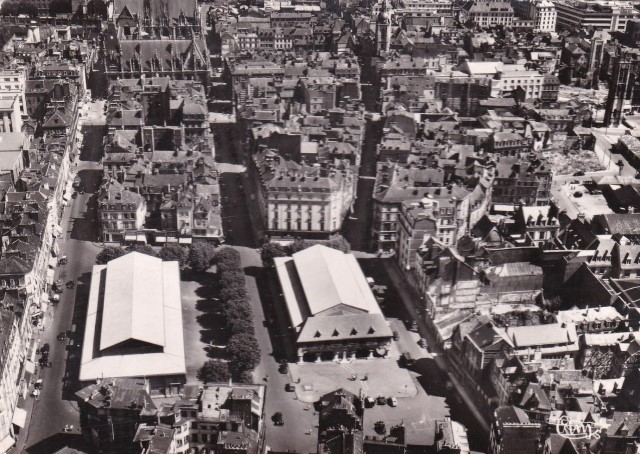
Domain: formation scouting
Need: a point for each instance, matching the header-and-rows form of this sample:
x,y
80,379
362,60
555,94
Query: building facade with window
x,y
301,199
119,210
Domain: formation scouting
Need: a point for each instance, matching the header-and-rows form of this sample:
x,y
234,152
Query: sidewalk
x,y
29,402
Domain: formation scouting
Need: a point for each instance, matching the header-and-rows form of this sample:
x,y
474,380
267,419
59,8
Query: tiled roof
x,y
344,327
541,335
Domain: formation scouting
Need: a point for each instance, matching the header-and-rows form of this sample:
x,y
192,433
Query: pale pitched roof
x,y
345,327
150,299
330,277
540,335
11,141
133,300
318,279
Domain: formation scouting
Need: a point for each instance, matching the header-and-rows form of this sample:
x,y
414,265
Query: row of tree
x,y
271,250
242,348
198,257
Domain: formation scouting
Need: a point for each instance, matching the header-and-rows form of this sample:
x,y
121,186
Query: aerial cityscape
x,y
320,226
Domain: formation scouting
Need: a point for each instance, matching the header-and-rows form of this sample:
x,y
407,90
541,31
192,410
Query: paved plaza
x,y
385,378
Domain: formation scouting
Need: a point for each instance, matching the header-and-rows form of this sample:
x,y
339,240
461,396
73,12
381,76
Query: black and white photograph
x,y
319,226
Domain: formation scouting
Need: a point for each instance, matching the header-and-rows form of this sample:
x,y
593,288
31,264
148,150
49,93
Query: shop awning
x,y
161,239
20,417
53,262
6,443
55,250
36,313
171,239
184,240
65,196
44,298
30,367
57,230
141,237
51,274
130,237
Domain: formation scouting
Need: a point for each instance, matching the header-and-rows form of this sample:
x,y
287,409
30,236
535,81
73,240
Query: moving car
x,y
393,402
62,336
277,419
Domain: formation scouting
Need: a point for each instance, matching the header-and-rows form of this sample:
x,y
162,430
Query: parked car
x,y
290,388
396,336
408,359
579,173
45,349
55,298
414,326
423,343
283,368
393,402
381,400
577,194
369,402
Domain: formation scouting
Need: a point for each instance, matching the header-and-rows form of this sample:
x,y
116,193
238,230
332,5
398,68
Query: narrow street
x,y
56,407
357,227
237,226
462,407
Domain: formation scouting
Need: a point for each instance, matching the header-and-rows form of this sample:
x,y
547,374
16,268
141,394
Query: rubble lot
x,y
573,161
597,97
